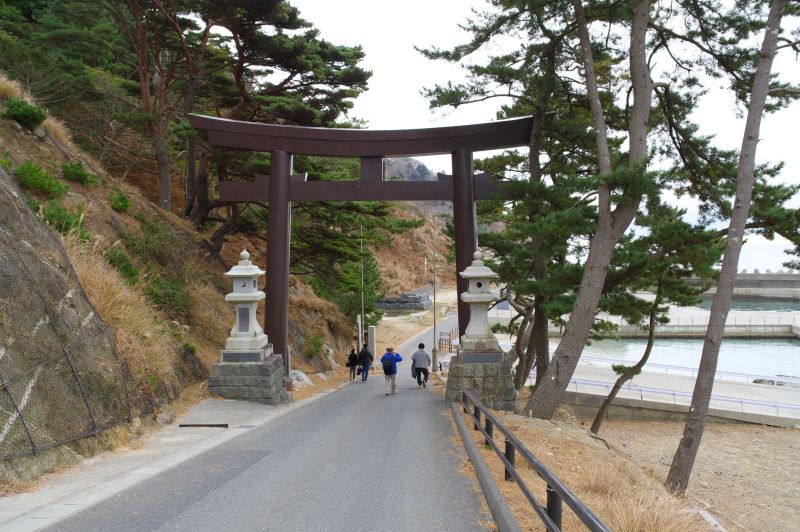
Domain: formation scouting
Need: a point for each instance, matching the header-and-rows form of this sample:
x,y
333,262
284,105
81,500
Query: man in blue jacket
x,y
389,362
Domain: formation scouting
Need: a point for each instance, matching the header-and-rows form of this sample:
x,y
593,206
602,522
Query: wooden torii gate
x,y
280,188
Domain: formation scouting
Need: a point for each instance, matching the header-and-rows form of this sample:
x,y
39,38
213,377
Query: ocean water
x,y
758,303
774,356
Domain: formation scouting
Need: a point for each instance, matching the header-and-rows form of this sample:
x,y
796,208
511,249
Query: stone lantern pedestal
x,y
248,369
479,364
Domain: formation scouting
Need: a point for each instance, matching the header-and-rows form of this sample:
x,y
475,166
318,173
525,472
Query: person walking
x,y
352,362
365,359
389,362
421,360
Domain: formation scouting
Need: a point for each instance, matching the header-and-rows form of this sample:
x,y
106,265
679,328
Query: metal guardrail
x,y
682,370
557,491
675,394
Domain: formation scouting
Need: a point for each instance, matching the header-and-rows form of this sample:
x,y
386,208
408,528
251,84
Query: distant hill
x,y
407,169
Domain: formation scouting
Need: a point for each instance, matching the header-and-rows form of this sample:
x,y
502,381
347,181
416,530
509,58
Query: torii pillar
x,y
465,225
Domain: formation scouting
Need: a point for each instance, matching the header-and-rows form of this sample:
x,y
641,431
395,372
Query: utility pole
x,y
434,361
362,326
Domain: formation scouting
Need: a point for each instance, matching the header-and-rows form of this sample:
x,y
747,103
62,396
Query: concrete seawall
x,y
585,405
737,330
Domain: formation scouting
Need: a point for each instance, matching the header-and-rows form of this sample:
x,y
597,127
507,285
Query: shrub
x,y
169,296
120,260
32,176
314,347
65,220
26,114
118,200
5,162
74,171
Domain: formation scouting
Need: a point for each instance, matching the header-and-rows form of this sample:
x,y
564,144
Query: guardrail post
x,y
489,431
511,457
477,415
464,402
554,506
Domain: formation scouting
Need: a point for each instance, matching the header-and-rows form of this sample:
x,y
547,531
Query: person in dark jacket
x,y
352,363
389,362
365,358
420,361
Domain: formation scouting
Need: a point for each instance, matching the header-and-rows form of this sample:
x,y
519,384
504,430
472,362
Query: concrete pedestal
x,y
261,382
490,383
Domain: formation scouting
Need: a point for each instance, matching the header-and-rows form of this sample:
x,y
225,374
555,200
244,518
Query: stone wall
x,y
491,384
407,301
261,382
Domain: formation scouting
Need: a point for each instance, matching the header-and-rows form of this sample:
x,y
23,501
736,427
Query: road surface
x,y
355,460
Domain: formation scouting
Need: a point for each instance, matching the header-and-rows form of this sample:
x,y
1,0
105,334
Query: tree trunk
x,y
191,150
545,398
683,461
632,371
541,335
610,225
162,163
201,202
218,238
521,344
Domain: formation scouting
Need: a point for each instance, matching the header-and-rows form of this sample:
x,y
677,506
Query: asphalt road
x,y
355,460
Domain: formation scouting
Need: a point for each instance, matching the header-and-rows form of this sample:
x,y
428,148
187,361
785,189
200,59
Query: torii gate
x,y
280,188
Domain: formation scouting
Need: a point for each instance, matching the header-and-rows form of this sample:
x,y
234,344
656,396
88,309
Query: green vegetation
x,y
314,347
24,113
5,162
189,348
344,288
64,220
119,200
151,243
168,295
120,260
74,171
33,177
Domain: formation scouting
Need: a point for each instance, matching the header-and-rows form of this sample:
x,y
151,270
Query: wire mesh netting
x,y
60,376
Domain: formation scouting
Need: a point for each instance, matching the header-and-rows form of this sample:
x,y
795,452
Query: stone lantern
x,y
248,369
479,343
479,366
247,341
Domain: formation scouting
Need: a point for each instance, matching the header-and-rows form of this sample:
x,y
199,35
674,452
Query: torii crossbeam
x,y
280,188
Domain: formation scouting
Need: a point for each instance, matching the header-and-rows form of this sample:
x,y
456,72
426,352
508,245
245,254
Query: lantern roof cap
x,y
245,268
477,269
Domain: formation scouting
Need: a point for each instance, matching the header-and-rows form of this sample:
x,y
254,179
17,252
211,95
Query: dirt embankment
x,y
408,263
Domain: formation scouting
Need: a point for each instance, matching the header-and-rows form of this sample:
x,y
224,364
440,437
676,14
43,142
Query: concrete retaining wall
x,y
690,331
586,405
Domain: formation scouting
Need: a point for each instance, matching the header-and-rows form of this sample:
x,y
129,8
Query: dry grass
x,y
10,89
15,487
209,314
745,475
58,131
402,264
141,340
623,496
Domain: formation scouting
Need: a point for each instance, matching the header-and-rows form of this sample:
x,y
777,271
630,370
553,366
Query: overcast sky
x,y
388,32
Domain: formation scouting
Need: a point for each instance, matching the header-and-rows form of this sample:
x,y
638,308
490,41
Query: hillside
x,y
155,283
